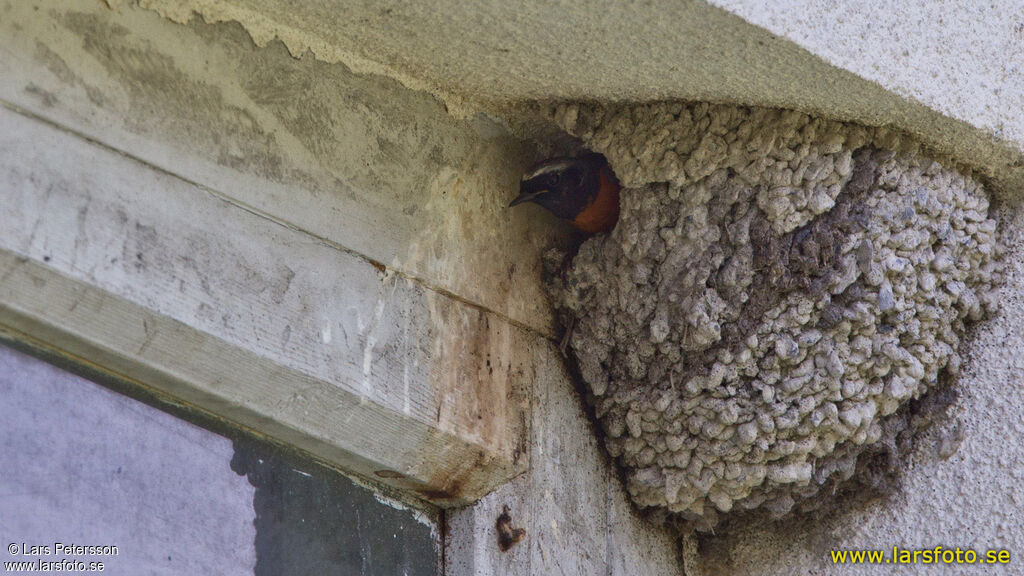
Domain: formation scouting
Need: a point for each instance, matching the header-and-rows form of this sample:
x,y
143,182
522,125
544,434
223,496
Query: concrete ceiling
x,y
491,53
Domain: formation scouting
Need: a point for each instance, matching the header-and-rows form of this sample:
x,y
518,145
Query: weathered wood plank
x,y
255,321
357,161
93,327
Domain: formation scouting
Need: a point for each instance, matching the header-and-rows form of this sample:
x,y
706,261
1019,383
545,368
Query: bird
x,y
582,190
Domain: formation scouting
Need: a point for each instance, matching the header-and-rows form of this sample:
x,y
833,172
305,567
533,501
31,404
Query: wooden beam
x,y
166,283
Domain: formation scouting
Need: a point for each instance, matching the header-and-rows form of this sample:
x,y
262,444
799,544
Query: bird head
x,y
562,185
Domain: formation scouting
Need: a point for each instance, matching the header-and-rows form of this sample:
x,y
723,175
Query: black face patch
x,y
565,181
565,186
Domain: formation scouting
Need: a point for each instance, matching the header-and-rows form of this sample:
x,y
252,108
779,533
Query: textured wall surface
x,y
571,503
358,162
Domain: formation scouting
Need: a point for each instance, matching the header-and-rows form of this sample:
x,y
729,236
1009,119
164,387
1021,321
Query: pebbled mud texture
x,y
777,301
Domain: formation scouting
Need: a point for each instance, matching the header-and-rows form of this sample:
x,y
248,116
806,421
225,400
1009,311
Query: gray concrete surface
x,y
500,52
84,465
962,59
177,187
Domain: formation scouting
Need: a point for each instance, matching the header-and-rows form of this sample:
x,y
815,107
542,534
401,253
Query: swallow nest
x,y
778,287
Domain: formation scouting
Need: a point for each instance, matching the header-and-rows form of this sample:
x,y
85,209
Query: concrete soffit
x,y
942,72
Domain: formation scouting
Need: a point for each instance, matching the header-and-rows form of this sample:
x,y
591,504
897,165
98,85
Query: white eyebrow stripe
x,y
545,168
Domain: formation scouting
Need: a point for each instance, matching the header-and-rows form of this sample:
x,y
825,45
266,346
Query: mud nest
x,y
777,288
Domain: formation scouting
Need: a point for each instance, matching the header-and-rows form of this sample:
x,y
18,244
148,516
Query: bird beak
x,y
526,197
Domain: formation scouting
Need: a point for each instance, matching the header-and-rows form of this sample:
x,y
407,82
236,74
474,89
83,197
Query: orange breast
x,y
602,214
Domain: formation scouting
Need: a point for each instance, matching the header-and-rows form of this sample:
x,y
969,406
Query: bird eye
x,y
554,179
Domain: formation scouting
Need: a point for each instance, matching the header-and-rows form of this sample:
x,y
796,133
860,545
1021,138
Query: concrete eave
x,y
844,62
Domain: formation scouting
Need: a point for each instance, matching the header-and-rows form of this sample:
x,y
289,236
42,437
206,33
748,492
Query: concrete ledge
x,y
844,61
